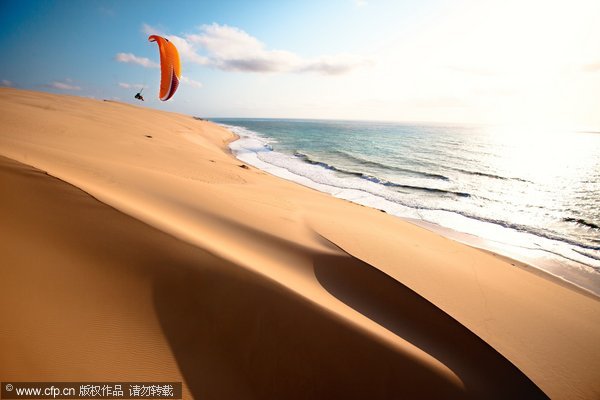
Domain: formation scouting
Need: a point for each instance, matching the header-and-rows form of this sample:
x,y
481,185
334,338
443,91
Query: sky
x,y
526,63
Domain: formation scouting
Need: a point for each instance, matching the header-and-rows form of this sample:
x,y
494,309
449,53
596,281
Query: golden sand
x,y
156,256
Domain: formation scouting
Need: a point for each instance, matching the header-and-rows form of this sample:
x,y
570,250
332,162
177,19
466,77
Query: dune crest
x,y
249,286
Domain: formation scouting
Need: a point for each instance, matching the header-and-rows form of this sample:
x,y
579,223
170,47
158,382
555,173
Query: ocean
x,y
532,195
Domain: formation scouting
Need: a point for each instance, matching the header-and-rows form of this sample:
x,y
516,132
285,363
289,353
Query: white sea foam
x,y
256,150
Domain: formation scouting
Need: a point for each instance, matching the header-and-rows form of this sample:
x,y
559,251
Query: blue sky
x,y
515,62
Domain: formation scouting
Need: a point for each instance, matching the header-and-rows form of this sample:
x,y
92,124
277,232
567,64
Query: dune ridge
x,y
283,290
226,331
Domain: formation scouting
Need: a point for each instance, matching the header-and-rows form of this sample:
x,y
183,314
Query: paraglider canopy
x,y
170,67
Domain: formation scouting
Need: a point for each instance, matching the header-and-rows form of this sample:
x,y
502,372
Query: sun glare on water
x,y
542,154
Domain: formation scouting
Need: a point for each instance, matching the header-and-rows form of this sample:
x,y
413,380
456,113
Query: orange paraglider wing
x,y
170,67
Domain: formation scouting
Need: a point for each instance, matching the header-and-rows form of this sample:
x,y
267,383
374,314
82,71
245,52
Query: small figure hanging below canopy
x,y
139,95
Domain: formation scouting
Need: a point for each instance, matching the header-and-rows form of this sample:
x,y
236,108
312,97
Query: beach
x,y
477,184
136,247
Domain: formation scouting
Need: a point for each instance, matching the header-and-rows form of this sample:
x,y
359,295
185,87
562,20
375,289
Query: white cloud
x,y
63,85
186,49
130,85
133,59
231,49
191,82
334,65
360,3
6,83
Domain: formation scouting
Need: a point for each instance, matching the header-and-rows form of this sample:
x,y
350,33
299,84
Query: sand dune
x,y
246,286
91,293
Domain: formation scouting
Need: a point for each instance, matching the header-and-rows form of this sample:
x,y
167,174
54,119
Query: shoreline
x,y
334,260
486,245
549,268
